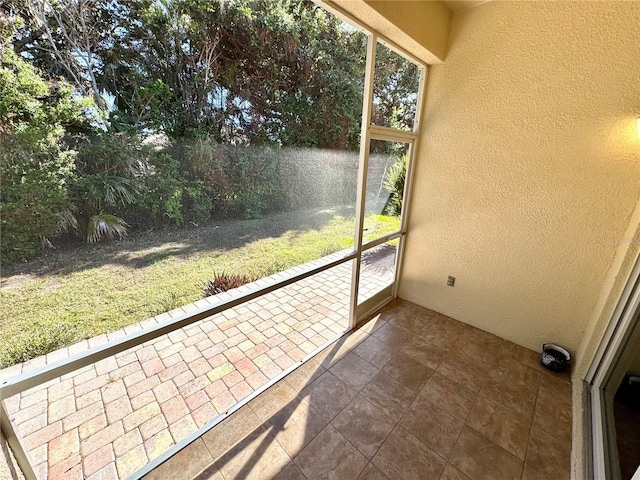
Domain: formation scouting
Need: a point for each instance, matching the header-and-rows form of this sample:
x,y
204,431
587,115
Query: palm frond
x,y
117,190
67,220
105,226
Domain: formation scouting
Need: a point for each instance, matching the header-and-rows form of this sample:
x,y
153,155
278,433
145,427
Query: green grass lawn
x,y
78,293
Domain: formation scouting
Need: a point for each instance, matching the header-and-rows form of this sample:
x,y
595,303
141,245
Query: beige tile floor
x,y
411,394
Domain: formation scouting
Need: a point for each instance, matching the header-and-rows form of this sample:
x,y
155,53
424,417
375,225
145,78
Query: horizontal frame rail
x,y
25,381
388,134
381,240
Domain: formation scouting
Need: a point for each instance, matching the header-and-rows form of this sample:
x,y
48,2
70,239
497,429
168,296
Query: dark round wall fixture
x,y
554,357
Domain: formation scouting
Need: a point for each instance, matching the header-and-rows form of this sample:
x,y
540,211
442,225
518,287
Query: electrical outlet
x,y
451,281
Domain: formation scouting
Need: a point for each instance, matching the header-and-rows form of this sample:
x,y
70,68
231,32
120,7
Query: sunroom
x,y
412,351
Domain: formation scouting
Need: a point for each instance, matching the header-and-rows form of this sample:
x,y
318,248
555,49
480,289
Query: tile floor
x,y
411,394
109,419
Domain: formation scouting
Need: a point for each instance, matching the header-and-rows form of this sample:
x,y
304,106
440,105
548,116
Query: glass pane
x,y
395,90
167,388
626,410
377,269
385,188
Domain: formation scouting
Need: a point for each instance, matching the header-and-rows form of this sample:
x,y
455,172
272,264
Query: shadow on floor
x,y
411,394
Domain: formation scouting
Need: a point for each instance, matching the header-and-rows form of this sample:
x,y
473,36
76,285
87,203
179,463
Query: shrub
x,y
160,195
222,282
197,202
256,186
105,226
394,183
163,194
317,178
33,202
240,181
35,164
110,170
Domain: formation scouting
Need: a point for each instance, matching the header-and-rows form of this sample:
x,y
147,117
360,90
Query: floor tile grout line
x,y
385,438
477,394
397,423
352,350
533,416
447,458
297,396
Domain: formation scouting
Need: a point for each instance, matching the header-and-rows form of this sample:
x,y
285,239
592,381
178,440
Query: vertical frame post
x,y
408,182
21,454
365,137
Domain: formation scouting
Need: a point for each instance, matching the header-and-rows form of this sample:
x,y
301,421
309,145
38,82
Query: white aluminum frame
x,y
25,381
371,304
378,132
609,366
363,168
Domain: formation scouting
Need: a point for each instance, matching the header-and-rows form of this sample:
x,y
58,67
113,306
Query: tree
x,y
35,163
63,36
283,72
395,89
199,82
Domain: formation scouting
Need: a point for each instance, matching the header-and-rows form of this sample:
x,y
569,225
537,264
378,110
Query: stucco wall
x,y
528,169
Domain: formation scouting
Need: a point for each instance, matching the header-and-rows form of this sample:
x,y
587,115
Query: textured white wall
x,y
528,169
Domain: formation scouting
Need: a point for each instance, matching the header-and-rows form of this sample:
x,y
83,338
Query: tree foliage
x,y
395,88
149,112
394,183
285,72
35,163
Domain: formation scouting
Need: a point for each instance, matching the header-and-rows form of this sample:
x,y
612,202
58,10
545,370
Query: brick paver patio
x,y
109,419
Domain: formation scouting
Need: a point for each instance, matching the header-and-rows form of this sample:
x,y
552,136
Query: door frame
x,y
609,366
371,132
